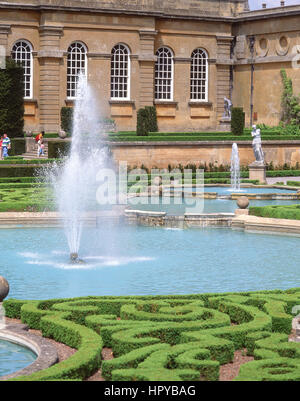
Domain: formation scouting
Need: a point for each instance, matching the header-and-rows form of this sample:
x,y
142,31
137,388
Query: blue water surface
x,y
130,260
14,357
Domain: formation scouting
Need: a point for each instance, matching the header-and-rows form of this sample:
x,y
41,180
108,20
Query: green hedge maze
x,y
168,338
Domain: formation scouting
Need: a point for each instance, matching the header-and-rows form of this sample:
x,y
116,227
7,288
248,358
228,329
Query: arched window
x,y
120,72
199,75
76,64
164,74
22,54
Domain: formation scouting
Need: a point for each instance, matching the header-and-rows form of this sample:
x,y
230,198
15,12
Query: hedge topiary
x,y
58,149
142,123
237,121
169,338
151,119
66,119
12,100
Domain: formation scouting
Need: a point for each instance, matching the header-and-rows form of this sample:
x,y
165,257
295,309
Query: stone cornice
x,y
194,13
58,54
5,29
49,30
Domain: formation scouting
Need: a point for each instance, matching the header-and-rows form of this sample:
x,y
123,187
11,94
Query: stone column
x,y
4,51
147,66
50,58
223,72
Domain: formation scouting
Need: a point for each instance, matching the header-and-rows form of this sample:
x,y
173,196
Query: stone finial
x,y
282,3
4,288
62,134
243,202
264,5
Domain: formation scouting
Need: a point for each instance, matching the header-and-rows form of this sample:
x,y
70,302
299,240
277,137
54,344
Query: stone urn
x,y
62,134
28,134
4,288
242,202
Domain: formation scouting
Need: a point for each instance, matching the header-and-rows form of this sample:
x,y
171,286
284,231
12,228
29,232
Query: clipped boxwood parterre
x,y
184,337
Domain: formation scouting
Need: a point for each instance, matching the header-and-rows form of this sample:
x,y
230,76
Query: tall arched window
x,y
199,75
77,64
120,72
22,54
164,74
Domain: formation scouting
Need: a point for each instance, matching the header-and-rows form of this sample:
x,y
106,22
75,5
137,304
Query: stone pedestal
x,y
225,124
257,171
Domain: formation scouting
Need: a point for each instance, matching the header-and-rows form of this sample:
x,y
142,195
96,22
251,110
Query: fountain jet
x,y
235,168
75,179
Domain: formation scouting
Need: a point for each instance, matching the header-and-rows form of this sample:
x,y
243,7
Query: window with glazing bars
x,y
22,54
76,65
120,72
164,74
199,78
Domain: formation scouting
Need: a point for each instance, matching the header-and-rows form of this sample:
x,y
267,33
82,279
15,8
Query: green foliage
x,y
169,338
58,149
142,123
237,121
151,119
11,100
289,103
66,118
17,147
291,212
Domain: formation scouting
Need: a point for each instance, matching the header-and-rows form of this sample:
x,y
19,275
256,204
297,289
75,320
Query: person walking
x,y
39,141
5,145
41,146
1,140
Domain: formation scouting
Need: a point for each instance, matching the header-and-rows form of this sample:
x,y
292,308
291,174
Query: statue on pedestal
x,y
256,145
227,108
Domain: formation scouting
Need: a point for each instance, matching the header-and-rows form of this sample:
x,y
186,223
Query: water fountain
x,y
75,180
235,168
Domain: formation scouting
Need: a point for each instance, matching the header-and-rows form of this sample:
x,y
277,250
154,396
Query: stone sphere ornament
x,y
62,134
4,288
243,202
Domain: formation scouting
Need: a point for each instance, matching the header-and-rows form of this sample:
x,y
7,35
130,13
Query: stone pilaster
x,y
50,59
4,31
147,66
223,71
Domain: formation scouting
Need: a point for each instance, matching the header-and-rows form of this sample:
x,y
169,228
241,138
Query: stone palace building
x,y
183,56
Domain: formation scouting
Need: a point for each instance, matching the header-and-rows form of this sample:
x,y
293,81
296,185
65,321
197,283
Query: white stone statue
x,y
256,145
227,108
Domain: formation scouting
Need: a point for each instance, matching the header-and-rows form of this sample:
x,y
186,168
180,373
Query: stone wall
x,y
161,155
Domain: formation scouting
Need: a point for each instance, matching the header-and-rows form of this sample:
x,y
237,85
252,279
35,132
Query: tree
x,y
290,113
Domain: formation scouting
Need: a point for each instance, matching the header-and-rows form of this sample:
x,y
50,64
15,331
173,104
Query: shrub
x,y
151,119
237,121
18,147
57,149
12,100
66,118
142,123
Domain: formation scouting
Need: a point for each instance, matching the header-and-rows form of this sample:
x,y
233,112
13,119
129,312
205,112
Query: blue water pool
x,y
14,357
171,206
130,260
251,190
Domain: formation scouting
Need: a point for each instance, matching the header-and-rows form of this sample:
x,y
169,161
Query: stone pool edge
x,y
46,352
247,223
